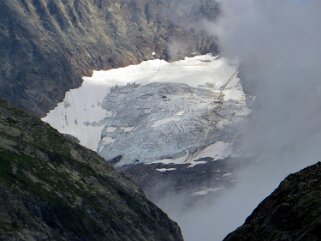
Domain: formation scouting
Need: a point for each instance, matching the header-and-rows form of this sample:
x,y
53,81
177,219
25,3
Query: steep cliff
x,y
47,46
291,213
54,189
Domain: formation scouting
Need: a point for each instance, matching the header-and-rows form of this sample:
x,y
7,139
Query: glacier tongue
x,y
156,111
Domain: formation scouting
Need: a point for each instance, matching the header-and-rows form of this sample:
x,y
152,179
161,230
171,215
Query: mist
x,y
192,16
278,46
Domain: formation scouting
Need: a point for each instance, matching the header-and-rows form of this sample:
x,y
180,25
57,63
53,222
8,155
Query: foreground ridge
x,y
54,189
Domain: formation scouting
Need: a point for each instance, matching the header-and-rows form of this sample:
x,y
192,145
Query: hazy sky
x,y
278,45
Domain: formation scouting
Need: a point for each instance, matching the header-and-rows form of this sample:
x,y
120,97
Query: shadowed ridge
x,y
292,212
54,189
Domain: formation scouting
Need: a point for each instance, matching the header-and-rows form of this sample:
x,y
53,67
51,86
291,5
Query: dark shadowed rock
x,y
291,213
202,182
54,189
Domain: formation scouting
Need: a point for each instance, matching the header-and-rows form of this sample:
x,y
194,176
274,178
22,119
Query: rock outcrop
x,y
291,213
47,46
53,189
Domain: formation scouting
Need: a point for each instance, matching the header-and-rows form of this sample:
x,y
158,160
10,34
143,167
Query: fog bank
x,y
278,46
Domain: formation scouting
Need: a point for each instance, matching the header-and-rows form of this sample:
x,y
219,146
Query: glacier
x,y
157,112
172,127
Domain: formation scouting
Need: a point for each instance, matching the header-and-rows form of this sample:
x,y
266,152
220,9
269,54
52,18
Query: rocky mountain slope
x,y
54,189
47,46
291,213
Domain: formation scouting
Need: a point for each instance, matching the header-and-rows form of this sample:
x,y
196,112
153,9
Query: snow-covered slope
x,y
156,112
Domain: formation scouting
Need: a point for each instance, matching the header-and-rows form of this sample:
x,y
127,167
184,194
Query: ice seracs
x,y
185,112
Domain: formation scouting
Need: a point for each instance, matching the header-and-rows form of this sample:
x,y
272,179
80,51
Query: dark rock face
x,y
53,189
182,178
46,46
291,213
190,185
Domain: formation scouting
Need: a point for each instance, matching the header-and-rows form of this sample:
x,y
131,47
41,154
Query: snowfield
x,y
156,112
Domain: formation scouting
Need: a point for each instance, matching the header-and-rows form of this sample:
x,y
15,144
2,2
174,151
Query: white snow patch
x,y
206,190
108,140
219,150
166,169
165,121
180,113
127,129
183,160
227,174
177,161
111,129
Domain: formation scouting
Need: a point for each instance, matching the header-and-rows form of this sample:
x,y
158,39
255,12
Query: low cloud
x,y
278,46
